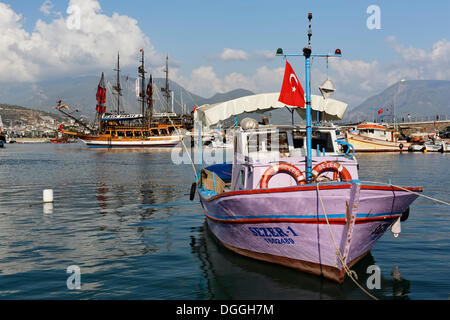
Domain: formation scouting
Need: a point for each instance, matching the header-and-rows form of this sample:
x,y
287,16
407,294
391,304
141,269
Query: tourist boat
x,y
283,202
375,137
117,129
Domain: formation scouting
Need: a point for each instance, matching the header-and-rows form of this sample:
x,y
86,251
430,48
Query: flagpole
x,y
307,54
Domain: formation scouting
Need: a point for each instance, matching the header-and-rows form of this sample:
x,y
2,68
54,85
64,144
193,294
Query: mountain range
x,y
412,97
80,94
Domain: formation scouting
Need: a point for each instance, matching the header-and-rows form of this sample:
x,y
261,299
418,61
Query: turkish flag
x,y
380,111
291,91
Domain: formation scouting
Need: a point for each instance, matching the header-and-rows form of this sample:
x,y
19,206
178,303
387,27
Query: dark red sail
x,y
101,95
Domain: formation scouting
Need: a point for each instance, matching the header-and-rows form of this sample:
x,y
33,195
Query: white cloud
x,y
356,80
53,49
233,55
266,54
47,7
205,82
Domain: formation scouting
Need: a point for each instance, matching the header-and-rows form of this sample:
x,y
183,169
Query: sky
x,y
217,46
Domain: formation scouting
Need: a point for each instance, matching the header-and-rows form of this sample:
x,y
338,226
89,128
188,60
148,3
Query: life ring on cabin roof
x,y
282,167
331,166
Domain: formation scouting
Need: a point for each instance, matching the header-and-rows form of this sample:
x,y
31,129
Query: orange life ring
x,y
288,168
336,167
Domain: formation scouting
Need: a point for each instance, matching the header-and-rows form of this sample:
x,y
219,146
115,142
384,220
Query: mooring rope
x,y
182,142
351,273
410,191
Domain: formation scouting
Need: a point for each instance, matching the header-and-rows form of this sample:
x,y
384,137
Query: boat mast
x,y
166,90
307,53
117,87
142,72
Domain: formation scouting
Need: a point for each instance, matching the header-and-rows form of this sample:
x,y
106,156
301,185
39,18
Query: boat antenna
x,y
307,53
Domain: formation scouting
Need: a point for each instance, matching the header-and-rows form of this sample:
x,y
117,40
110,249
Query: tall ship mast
x,y
142,94
166,90
117,88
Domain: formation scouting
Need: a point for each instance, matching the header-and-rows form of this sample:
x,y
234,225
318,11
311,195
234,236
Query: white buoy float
x,y
47,196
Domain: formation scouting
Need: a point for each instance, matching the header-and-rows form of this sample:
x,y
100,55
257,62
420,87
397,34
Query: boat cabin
x,y
375,131
258,150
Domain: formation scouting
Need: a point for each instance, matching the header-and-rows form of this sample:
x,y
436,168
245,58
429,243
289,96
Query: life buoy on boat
x,y
336,167
288,168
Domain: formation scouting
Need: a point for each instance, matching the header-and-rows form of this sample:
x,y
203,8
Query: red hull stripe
x,y
307,221
308,188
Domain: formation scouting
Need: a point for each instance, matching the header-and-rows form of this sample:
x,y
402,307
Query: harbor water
x,y
122,219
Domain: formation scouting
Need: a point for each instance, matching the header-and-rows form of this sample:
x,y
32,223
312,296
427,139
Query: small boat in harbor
x,y
434,146
283,202
375,137
417,146
61,138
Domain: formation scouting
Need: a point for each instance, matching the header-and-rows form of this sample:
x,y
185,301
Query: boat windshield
x,y
266,144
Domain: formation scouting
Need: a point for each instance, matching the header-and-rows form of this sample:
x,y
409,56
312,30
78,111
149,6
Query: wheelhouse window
x,y
322,140
298,138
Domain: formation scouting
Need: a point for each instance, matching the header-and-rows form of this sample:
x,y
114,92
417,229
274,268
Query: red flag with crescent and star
x,y
292,93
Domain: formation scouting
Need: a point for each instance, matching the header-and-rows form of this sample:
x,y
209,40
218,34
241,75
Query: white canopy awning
x,y
210,114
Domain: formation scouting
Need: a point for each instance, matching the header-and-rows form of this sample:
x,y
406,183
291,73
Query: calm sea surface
x,y
125,219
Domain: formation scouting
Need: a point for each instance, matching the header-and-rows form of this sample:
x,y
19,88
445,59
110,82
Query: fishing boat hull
x,y
367,144
288,226
151,142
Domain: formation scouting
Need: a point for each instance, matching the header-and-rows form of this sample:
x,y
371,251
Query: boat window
x,y
137,134
283,143
164,132
107,132
155,132
145,133
113,133
242,174
299,139
323,140
253,143
129,133
171,129
120,133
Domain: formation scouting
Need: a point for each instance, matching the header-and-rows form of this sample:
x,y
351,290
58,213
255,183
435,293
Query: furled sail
x,y
101,95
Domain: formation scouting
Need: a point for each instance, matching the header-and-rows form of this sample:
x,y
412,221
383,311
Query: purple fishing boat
x,y
284,202
298,225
